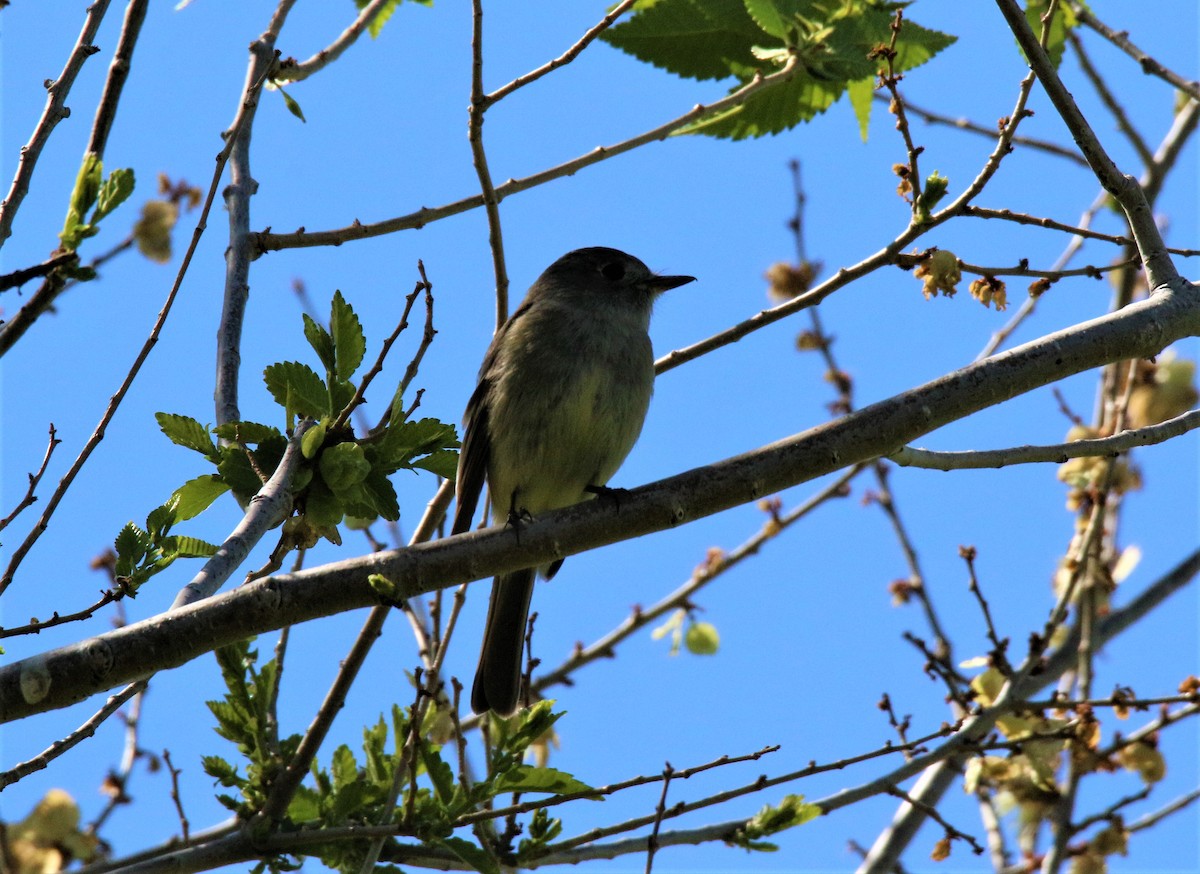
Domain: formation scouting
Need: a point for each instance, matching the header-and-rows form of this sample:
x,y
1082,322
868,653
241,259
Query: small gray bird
x,y
562,395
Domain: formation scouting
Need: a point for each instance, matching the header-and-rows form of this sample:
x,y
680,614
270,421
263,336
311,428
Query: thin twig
x,y
56,749
56,110
652,841
292,70
928,115
1057,453
118,72
491,203
176,797
265,241
34,478
115,401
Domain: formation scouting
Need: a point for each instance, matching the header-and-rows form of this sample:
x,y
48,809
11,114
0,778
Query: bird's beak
x,y
659,284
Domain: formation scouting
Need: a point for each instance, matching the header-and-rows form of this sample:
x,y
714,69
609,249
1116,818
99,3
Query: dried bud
x,y
988,290
939,272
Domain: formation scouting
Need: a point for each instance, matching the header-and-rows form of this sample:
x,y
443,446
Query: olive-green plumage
x,y
562,395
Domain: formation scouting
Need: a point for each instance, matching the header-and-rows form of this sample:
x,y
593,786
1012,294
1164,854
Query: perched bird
x,y
562,395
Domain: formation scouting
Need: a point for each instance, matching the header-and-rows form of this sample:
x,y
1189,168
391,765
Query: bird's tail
x,y
497,684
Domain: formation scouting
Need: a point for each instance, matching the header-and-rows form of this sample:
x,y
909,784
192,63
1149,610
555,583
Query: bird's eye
x,y
613,271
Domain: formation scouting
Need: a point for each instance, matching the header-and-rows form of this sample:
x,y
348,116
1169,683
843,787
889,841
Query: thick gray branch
x,y
63,676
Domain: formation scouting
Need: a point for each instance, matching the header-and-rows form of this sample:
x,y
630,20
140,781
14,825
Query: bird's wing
x,y
472,459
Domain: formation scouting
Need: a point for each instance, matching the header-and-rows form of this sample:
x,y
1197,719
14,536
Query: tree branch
x,y
74,672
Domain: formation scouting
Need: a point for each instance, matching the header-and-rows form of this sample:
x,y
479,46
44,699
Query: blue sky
x,y
809,638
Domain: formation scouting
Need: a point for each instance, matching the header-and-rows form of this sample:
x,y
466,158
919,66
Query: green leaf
x,y
381,18
290,102
349,342
527,778
305,805
182,546
917,44
297,388
1063,20
471,854
440,773
187,432
404,441
313,439
698,39
320,340
862,96
380,494
220,770
250,433
236,470
343,467
87,185
196,495
321,506
114,191
772,110
793,810
343,768
131,544
160,520
443,462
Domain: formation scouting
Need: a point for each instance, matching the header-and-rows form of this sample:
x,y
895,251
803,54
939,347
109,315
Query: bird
x,y
560,401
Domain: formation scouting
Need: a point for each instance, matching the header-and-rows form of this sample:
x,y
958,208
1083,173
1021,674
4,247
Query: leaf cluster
x,y
144,552
832,41
342,476
359,791
97,194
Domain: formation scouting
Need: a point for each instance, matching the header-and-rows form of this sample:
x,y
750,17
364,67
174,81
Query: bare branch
x,y
1057,453
56,110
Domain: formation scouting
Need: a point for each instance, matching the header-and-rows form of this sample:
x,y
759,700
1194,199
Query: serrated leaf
x,y
404,441
791,811
187,432
183,546
381,495
130,545
772,110
250,433
220,770
440,773
160,520
343,768
471,854
297,388
320,340
196,495
114,191
917,44
342,393
443,462
381,18
305,805
698,39
862,96
527,778
349,341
